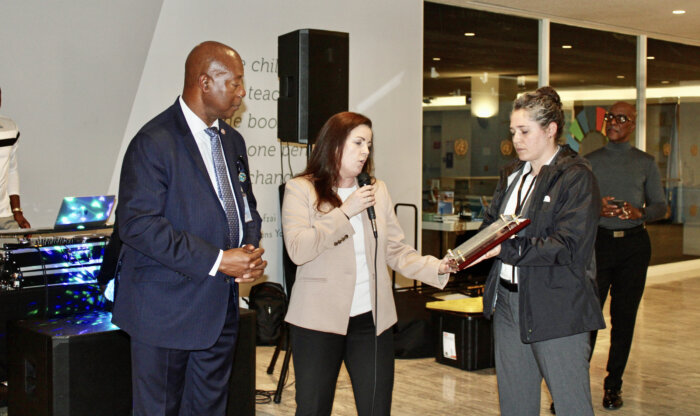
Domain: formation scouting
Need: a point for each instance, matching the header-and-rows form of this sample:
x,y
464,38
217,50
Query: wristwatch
x,y
16,209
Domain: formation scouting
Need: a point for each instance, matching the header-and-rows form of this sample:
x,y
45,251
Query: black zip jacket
x,y
555,253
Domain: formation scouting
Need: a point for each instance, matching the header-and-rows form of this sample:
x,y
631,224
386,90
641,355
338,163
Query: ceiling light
x,y
470,34
484,95
620,77
679,12
651,58
665,82
436,59
566,46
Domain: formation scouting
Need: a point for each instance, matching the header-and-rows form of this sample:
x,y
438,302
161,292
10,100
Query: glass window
x,y
673,120
475,63
591,70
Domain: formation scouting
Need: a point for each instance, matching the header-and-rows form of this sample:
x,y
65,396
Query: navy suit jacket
x,y
172,225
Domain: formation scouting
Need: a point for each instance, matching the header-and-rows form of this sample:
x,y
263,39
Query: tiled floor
x,y
662,377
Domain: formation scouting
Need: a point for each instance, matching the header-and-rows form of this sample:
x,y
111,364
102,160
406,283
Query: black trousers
x,y
622,270
317,360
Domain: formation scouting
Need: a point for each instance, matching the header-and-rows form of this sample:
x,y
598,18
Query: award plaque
x,y
486,239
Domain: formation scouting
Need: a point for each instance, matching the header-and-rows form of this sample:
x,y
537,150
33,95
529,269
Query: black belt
x,y
8,142
511,287
621,233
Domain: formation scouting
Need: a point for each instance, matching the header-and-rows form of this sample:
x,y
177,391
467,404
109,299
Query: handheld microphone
x,y
363,179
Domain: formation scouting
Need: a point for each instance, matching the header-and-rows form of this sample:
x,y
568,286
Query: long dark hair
x,y
323,169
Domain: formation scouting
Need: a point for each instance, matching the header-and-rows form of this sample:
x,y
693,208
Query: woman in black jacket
x,y
540,290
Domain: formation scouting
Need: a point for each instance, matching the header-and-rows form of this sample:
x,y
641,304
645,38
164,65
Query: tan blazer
x,y
321,244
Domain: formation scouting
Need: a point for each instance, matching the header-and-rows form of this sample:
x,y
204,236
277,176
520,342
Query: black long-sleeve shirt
x,y
625,172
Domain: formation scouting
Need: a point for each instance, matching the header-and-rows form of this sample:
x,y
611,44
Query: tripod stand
x,y
281,344
289,270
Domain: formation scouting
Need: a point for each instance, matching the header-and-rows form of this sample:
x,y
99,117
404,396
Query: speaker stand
x,y
284,339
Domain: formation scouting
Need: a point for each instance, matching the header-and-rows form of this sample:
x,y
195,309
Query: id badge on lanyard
x,y
242,177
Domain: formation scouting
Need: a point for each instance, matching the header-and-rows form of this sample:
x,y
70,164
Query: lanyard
x,y
521,201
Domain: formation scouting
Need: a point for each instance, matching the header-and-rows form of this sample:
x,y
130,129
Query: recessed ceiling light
x,y
436,59
665,82
470,34
620,77
566,46
679,12
651,58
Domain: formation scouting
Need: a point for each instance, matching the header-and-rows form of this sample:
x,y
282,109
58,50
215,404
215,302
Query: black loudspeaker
x,y
313,73
42,302
81,366
75,366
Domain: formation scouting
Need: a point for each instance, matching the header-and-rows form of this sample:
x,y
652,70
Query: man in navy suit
x,y
190,228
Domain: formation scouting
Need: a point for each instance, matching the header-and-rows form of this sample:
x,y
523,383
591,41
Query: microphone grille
x,y
364,179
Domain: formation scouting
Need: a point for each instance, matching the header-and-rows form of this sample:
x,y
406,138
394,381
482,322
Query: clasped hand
x,y
359,201
626,212
244,263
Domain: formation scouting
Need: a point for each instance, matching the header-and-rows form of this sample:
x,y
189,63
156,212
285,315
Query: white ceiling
x,y
650,17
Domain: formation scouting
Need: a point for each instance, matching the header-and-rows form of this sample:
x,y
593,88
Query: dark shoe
x,y
612,399
551,409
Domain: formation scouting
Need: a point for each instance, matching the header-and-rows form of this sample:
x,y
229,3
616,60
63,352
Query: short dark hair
x,y
323,169
544,107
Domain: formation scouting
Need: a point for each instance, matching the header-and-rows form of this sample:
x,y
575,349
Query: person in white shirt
x,y
541,292
11,215
342,306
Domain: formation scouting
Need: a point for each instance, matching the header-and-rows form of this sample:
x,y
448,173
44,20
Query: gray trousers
x,y
7,223
520,367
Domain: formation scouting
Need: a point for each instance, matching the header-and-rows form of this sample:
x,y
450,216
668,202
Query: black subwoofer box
x,y
81,366
313,73
74,366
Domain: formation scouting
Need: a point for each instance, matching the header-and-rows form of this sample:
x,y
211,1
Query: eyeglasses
x,y
620,118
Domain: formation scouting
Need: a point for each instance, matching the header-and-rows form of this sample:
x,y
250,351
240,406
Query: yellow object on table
x,y
465,305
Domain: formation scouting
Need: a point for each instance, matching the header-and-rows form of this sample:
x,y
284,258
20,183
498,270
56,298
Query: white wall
x,y
81,77
69,71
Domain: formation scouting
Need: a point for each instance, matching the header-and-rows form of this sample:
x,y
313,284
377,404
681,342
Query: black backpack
x,y
269,302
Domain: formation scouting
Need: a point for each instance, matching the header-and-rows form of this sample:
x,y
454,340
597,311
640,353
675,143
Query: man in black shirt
x,y
630,184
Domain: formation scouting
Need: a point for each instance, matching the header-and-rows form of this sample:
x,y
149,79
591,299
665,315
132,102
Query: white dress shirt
x,y
361,300
203,140
508,271
9,174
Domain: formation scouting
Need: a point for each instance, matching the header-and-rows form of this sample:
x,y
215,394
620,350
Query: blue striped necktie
x,y
224,186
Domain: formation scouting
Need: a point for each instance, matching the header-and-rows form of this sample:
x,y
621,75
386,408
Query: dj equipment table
x,y
48,277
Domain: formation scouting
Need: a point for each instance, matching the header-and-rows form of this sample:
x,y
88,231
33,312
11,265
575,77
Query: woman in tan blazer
x,y
334,313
